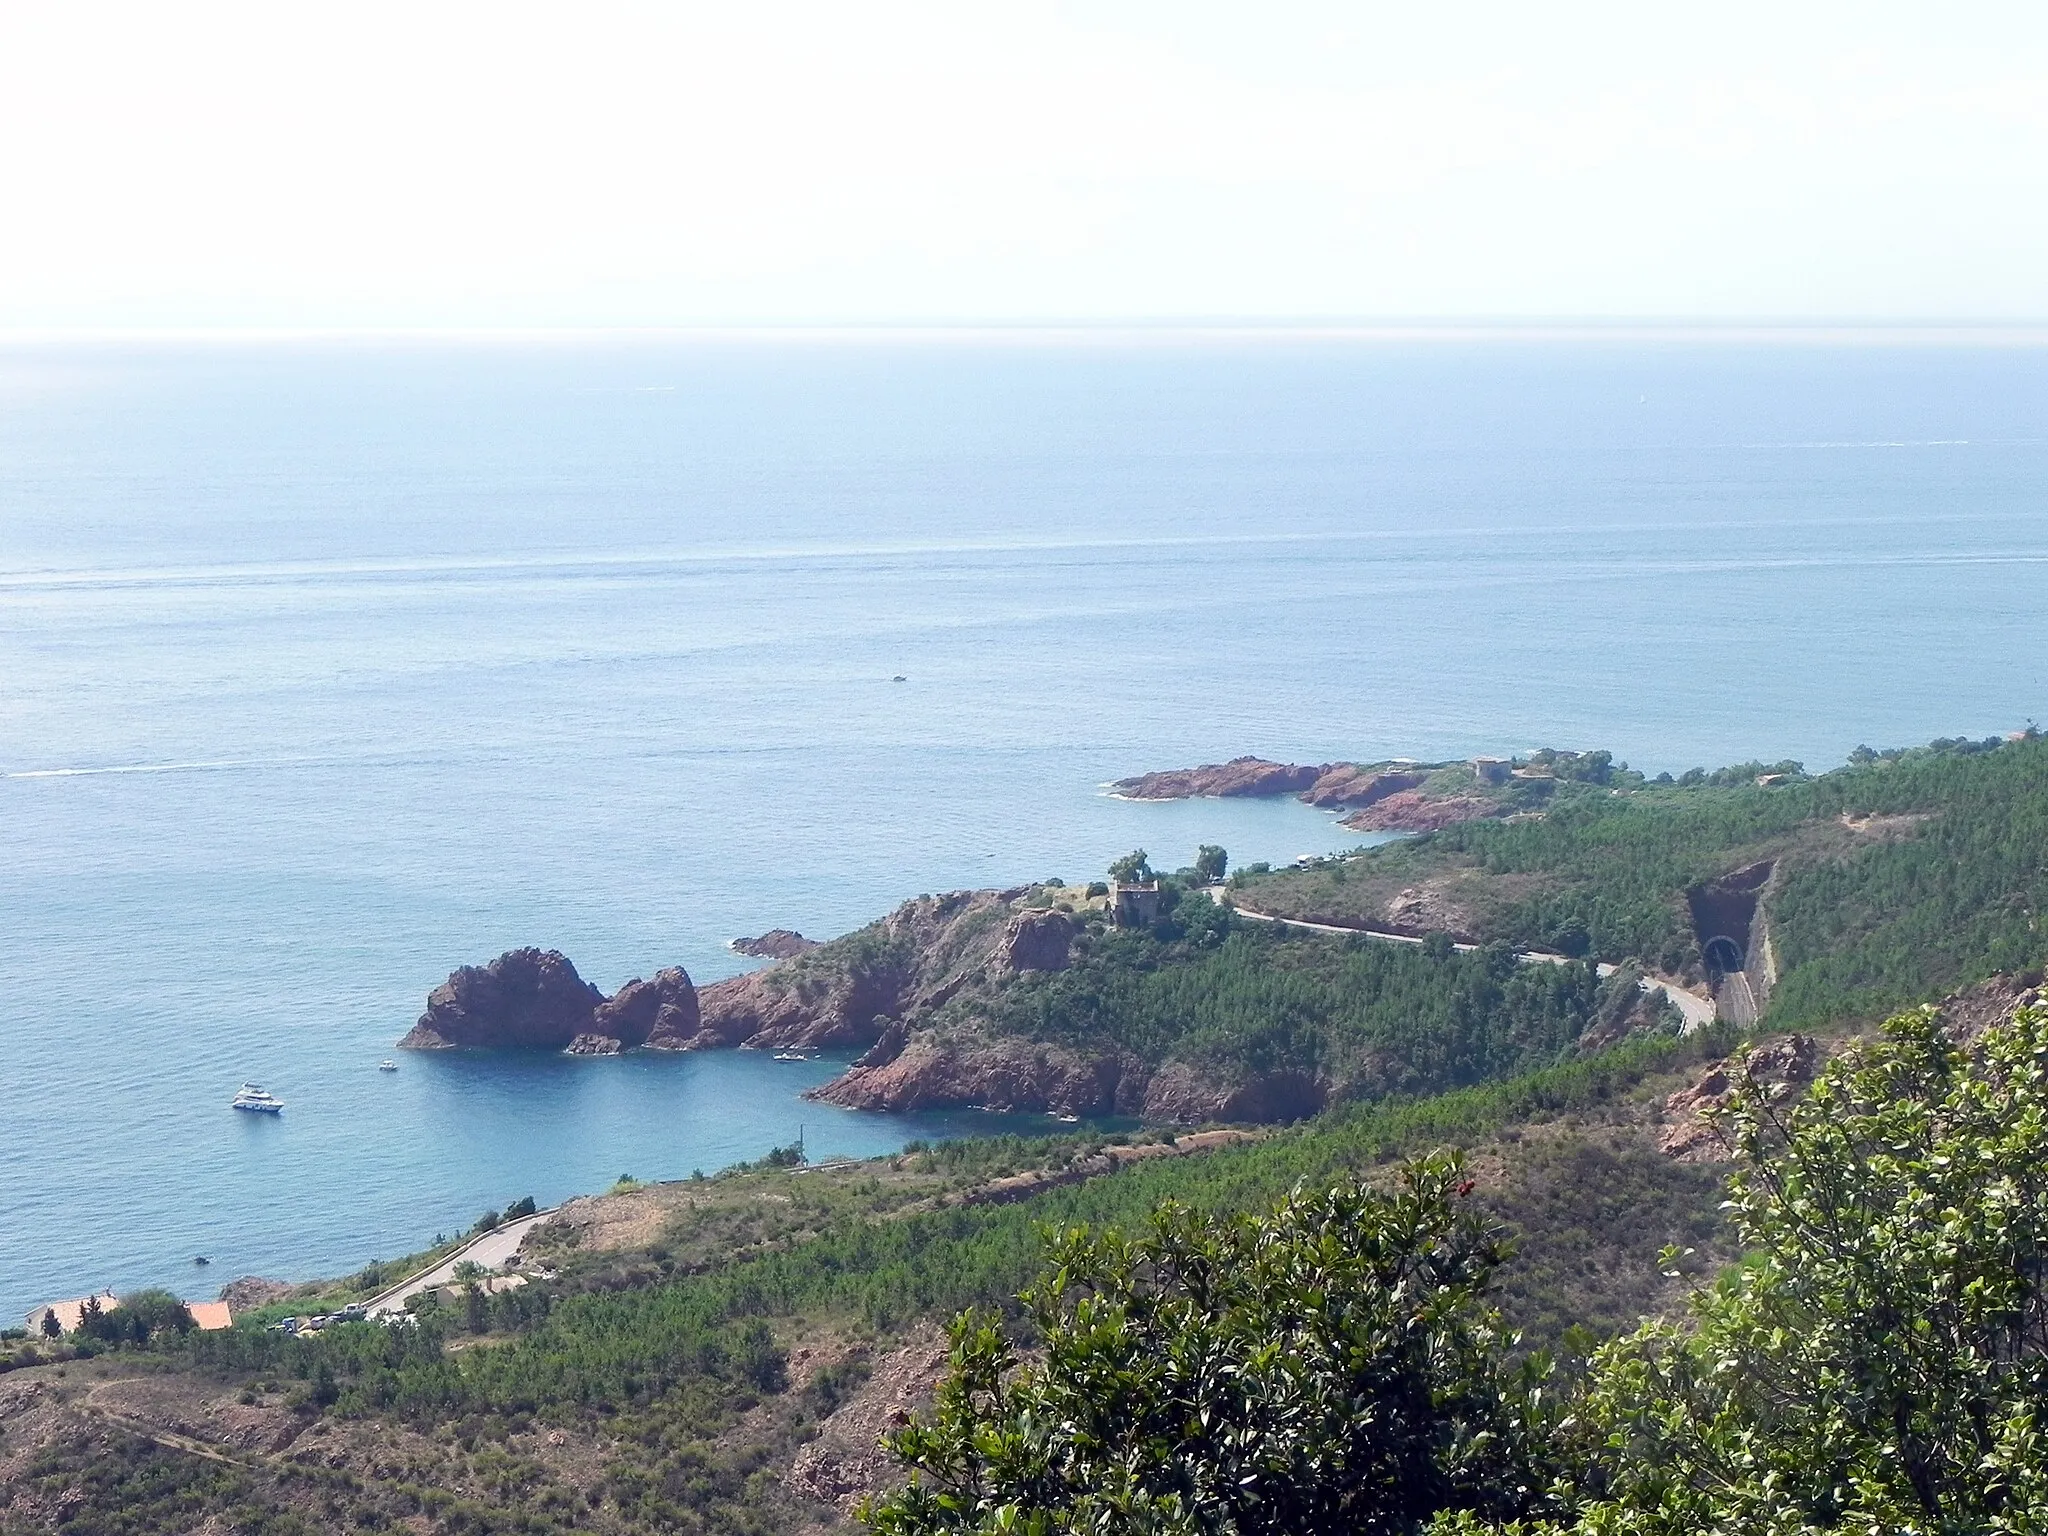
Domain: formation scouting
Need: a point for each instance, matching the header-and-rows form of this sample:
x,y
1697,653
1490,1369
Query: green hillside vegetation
x,y
1377,1349
1240,998
1895,879
1937,878
1877,1363
687,1377
605,1351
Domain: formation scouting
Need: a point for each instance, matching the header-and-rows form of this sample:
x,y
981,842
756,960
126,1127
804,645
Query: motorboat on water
x,y
387,1065
256,1100
793,1055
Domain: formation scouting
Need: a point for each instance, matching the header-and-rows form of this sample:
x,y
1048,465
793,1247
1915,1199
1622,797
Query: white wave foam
x,y
1929,442
81,773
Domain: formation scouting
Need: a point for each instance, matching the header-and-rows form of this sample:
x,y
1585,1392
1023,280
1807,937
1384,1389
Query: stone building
x,y
1134,905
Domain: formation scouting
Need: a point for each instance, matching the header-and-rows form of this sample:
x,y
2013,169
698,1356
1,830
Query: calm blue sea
x,y
326,667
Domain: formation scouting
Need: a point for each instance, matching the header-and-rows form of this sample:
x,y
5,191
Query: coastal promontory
x,y
1379,797
1400,795
532,999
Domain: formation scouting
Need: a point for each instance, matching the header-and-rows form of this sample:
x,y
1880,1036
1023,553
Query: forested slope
x,y
675,1401
1898,877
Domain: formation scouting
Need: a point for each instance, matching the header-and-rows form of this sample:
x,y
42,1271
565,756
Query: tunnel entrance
x,y
1730,935
1722,954
1724,917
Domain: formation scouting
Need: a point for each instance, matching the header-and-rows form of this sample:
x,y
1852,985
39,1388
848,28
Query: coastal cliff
x,y
923,993
844,994
525,999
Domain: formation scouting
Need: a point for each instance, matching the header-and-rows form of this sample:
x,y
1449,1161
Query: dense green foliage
x,y
125,1486
1328,1367
1878,1363
1589,1214
1952,889
1239,997
1881,1363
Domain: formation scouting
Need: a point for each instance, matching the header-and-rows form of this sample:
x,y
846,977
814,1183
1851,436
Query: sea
x,y
330,664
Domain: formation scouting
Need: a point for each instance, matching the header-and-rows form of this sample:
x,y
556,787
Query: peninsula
x,y
1182,997
1398,795
724,1352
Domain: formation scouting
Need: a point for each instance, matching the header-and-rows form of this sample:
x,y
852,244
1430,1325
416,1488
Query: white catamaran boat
x,y
256,1101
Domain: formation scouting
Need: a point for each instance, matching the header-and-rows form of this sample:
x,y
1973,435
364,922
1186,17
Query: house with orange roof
x,y
207,1315
67,1313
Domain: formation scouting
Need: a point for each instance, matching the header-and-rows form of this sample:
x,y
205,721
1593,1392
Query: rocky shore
x,y
1377,797
901,992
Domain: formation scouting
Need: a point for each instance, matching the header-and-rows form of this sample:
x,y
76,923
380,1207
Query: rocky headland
x,y
1377,797
907,993
848,993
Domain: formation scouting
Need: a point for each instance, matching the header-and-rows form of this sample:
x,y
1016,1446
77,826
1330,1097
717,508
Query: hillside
x,y
1030,1000
1886,882
1799,898
722,1354
709,1350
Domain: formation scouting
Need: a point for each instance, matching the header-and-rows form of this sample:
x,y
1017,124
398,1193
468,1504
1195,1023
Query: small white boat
x,y
793,1055
256,1101
387,1066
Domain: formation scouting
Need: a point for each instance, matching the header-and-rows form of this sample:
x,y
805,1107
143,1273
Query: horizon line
x,y
2032,332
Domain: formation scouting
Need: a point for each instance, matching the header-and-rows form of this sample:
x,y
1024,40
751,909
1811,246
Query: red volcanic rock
x,y
526,998
843,994
1345,784
1694,1133
1408,811
895,1035
1013,1074
905,1073
775,944
253,1291
662,1012
1241,776
762,1010
1039,941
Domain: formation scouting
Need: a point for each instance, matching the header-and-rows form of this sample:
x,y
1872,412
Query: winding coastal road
x,y
1697,1011
490,1251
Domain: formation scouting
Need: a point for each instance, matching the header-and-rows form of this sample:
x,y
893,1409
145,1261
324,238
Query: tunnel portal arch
x,y
1723,954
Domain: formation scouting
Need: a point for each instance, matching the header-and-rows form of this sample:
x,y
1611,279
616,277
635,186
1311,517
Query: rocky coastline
x,y
883,992
1375,797
902,993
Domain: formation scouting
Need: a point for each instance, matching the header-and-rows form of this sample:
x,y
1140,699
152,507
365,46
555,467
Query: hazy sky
x,y
317,164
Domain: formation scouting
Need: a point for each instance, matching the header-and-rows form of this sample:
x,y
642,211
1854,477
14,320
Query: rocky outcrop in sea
x,y
775,944
531,999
